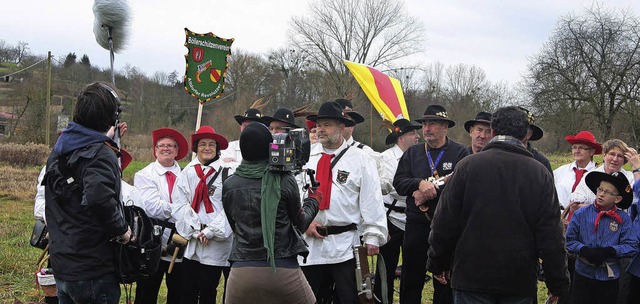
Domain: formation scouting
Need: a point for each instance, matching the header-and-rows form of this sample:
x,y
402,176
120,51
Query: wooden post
x,y
48,106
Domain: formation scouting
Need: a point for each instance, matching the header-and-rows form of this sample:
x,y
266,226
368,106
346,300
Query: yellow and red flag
x,y
384,92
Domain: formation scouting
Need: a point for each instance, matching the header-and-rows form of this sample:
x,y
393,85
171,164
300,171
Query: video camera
x,y
289,151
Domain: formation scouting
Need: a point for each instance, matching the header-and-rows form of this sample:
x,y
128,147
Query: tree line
x,y
586,76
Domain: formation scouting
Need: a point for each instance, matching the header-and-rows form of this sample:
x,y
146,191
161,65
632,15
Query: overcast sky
x,y
497,36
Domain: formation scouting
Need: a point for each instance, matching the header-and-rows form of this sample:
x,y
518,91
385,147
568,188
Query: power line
x,y
23,69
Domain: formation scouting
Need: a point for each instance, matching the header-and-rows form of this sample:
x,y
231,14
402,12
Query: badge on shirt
x,y
342,176
447,166
613,226
212,190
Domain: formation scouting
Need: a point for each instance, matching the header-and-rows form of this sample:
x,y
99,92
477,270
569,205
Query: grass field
x,y
18,258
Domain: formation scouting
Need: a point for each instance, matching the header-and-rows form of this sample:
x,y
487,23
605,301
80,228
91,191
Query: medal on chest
x,y
212,190
613,226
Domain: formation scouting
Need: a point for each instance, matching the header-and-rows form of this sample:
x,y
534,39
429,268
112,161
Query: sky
x,y
499,36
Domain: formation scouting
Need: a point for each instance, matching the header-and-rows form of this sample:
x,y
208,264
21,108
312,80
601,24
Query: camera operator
x,y
263,209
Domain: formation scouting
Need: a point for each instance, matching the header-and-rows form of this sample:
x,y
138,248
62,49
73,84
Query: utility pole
x,y
48,108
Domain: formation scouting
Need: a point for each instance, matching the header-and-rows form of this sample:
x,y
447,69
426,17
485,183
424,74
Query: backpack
x,y
140,258
135,260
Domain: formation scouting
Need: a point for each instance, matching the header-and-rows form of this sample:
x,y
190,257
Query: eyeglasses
x,y
615,155
605,192
203,144
581,148
165,146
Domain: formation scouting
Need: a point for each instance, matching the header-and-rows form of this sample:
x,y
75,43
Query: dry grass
x,y
18,183
24,155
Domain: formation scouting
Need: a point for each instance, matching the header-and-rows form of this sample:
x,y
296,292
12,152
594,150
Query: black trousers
x,y
634,290
322,278
201,282
390,252
147,289
414,264
586,290
568,299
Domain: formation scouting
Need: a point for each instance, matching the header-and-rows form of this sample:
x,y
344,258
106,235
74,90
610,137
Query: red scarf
x,y
171,180
612,213
202,191
324,177
579,174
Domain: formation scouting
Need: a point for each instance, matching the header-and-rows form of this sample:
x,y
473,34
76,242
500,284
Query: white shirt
x,y
386,185
130,195
188,222
232,152
390,158
154,191
38,207
564,178
355,198
584,195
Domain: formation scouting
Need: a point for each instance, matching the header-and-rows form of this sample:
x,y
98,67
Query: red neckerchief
x,y
202,191
171,180
325,179
612,213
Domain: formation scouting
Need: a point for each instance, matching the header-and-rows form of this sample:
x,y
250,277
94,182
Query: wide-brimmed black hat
x,y
332,110
347,106
537,132
400,127
249,114
436,113
618,179
284,115
482,117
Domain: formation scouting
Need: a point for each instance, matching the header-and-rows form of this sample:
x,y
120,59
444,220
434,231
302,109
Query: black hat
x,y
332,110
284,115
401,126
346,105
618,179
537,132
250,114
482,117
254,142
436,113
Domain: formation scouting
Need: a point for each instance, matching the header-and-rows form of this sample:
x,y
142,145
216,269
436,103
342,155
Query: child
x,y
600,234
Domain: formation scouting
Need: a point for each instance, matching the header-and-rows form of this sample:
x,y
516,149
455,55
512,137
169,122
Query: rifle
x,y
364,277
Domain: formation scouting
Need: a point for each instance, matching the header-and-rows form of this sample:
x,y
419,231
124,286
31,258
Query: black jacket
x,y
241,201
498,214
82,222
413,167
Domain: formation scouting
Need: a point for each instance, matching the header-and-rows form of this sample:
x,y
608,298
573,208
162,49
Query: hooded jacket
x,y
82,219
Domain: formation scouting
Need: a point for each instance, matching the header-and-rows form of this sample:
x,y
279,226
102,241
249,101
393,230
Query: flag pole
x,y
198,121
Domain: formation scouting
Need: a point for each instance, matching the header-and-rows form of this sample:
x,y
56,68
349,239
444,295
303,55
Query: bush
x,y
23,155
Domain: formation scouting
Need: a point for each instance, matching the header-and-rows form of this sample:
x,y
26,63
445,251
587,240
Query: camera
x,y
289,151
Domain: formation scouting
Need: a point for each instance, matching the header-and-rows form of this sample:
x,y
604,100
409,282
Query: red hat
x,y
311,125
585,138
125,159
208,132
183,145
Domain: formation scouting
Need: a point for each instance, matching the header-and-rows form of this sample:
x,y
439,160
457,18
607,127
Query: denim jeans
x,y
105,289
464,297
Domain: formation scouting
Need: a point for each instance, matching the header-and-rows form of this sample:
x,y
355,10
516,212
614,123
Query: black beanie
x,y
254,142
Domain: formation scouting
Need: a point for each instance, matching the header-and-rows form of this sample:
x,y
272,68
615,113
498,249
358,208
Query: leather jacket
x,y
241,201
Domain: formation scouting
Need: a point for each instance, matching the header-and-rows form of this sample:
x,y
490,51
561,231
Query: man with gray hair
x,y
503,219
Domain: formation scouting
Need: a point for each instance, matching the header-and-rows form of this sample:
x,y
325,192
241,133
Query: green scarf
x,y
269,200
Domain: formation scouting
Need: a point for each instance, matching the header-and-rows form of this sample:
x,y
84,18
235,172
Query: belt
x,y
328,230
395,208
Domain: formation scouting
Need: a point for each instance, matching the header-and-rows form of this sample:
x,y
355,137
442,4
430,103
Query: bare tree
x,y
588,70
373,32
21,51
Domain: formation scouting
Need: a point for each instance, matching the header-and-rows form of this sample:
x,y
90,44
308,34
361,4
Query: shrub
x,y
23,155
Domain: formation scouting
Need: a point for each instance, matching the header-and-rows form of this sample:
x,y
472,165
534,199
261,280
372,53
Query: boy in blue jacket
x,y
600,234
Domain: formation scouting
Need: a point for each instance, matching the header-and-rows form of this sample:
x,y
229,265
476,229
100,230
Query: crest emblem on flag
x,y
206,65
